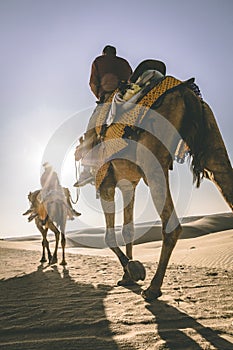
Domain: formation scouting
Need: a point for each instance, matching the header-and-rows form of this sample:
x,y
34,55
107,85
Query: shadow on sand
x,y
48,310
176,328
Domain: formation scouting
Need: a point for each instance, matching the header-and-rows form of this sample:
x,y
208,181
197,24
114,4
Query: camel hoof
x,y
136,270
126,280
42,260
150,295
63,263
53,261
125,283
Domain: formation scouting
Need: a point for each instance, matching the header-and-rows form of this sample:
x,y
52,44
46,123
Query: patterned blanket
x,y
114,133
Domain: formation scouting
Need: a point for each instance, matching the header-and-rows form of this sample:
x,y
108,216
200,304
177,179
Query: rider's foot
x,y
75,213
29,211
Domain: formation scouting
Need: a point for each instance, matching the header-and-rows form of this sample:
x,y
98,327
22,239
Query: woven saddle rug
x,y
114,133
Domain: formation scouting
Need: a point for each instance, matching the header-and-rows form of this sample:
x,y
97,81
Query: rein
x,y
77,170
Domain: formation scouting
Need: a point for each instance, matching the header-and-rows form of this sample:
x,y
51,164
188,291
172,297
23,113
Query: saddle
x,y
122,114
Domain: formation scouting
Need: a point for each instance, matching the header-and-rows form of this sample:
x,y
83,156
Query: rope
x,y
77,171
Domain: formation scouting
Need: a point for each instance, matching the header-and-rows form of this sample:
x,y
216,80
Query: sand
x,y
81,307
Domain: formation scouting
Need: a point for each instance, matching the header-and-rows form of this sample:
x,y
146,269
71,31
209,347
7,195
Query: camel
x,y
55,221
179,113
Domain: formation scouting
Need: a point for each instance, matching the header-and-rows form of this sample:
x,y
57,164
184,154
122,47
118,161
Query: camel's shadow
x,y
176,327
47,309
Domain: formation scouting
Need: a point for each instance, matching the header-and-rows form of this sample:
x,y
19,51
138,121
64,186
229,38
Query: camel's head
x,y
32,196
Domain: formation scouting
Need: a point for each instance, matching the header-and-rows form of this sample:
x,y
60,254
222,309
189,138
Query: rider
x,y
107,71
52,190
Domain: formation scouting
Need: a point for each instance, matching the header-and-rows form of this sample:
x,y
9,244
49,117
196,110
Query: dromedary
x,y
55,221
179,112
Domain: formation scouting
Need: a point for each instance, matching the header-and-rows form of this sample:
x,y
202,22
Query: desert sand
x,y
81,307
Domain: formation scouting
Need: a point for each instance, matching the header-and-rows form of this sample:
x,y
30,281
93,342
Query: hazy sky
x,y
47,47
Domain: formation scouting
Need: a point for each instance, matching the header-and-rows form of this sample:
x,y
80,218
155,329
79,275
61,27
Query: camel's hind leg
x,y
171,229
63,215
63,245
128,193
107,193
53,228
59,214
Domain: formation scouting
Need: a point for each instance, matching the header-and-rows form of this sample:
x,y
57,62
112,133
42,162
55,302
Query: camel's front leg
x,y
107,193
169,242
171,230
45,243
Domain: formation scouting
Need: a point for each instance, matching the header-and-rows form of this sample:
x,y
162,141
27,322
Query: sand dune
x,y
81,307
195,226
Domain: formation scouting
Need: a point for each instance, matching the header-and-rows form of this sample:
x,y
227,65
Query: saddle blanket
x,y
131,117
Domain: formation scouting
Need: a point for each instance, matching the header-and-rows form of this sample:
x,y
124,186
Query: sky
x,y
47,48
